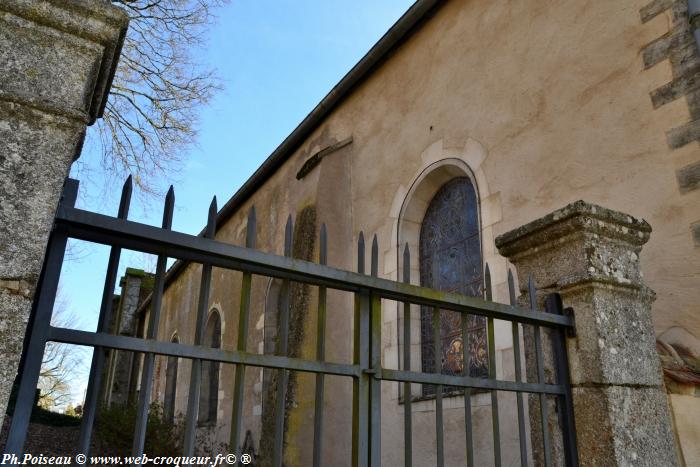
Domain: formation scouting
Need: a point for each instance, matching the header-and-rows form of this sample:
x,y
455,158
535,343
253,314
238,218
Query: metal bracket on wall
x,y
314,160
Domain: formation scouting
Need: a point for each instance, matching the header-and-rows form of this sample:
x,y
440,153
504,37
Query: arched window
x,y
170,385
209,392
450,260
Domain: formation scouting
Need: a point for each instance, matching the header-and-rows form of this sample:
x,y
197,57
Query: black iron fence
x,y
366,369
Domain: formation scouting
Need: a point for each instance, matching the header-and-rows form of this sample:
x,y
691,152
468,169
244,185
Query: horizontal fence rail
x,y
98,228
366,370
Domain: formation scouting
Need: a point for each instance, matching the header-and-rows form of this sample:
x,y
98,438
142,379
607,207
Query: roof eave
x,y
404,28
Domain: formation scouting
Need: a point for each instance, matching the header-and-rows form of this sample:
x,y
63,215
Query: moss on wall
x,y
299,297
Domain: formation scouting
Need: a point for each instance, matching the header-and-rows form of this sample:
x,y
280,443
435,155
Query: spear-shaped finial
x,y
125,199
374,261
361,253
531,290
211,219
406,264
323,247
511,287
168,208
487,283
251,229
288,232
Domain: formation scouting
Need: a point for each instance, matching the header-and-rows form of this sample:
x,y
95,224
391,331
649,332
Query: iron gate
x,y
366,369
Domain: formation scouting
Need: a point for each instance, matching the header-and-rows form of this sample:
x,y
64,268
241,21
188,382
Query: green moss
x,y
114,431
302,248
134,272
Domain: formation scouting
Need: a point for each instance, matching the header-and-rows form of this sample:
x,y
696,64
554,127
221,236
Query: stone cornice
x,y
573,220
97,22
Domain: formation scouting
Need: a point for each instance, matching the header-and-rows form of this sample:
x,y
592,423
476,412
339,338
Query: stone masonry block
x,y
14,312
40,150
59,56
615,342
623,426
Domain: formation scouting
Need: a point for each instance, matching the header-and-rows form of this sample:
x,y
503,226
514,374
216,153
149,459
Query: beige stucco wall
x,y
543,103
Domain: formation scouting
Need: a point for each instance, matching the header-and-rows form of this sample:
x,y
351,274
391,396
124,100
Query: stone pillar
x,y
590,255
57,58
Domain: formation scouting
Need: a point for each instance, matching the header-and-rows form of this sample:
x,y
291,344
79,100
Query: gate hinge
x,y
372,371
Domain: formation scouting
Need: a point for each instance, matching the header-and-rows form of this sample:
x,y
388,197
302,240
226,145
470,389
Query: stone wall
x,y
122,369
57,59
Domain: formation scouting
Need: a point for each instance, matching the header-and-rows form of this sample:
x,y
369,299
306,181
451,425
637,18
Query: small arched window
x,y
450,260
170,385
209,391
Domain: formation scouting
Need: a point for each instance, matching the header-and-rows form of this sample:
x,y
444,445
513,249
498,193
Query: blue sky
x,y
277,60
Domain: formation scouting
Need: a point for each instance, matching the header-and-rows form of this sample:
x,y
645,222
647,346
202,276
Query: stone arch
x,y
416,201
209,392
429,188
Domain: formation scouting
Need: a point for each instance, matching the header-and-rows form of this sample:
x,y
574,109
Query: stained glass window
x,y
450,260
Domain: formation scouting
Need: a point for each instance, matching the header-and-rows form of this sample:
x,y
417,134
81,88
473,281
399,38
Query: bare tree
x,y
62,363
151,114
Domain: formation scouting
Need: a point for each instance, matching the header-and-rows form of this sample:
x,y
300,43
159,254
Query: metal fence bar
x,y
466,364
363,386
153,322
439,426
243,320
375,363
491,338
518,375
360,350
98,228
39,329
282,348
136,344
469,382
544,415
98,355
320,353
565,405
366,370
195,387
407,415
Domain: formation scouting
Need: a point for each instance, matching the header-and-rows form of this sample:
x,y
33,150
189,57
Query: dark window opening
x,y
209,391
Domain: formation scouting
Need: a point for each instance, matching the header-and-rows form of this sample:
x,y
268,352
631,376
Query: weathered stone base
x,y
633,431
614,341
590,256
14,313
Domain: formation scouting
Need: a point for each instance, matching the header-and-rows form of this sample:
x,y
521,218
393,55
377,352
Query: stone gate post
x,y
57,58
590,255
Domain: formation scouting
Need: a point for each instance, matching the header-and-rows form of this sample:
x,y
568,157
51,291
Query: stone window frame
x,y
422,191
211,371
170,402
466,156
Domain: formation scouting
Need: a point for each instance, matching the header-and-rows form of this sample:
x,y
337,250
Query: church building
x,y
466,120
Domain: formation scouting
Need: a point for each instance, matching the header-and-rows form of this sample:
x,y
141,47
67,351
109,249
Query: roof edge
x,y
404,28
